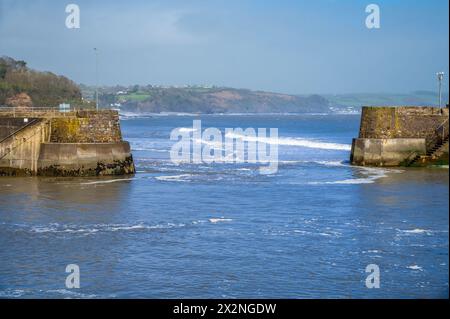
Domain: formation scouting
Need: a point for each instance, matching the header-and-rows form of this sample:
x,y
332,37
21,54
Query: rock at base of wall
x,y
116,167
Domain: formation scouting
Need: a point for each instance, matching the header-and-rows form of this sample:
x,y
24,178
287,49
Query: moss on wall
x,y
87,127
401,122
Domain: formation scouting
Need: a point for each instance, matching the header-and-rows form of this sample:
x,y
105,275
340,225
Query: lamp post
x,y
440,76
96,78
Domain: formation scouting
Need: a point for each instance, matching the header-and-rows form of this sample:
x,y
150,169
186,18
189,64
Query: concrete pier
x,y
401,136
50,143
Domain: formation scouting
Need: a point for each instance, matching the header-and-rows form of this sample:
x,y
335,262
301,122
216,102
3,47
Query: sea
x,y
318,227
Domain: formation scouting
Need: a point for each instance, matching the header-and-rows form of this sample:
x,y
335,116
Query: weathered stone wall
x,y
77,143
402,122
87,127
386,152
19,153
85,159
9,125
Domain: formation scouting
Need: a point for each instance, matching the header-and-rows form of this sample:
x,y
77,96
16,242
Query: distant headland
x,y
22,86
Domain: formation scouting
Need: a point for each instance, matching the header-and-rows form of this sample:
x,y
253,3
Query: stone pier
x,y
402,136
51,143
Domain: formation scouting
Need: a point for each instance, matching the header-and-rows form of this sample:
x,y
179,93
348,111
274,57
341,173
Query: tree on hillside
x,y
44,88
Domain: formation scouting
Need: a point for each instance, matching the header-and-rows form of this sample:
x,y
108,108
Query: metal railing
x,y
40,111
12,136
411,158
442,130
441,133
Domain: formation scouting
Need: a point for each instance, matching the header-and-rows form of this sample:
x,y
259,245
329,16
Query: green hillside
x,y
44,88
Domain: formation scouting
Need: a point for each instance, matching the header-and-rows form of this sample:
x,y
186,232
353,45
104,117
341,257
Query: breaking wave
x,y
219,220
291,141
56,228
109,181
174,178
373,174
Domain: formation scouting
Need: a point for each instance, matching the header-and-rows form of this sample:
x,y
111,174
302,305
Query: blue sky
x,y
299,47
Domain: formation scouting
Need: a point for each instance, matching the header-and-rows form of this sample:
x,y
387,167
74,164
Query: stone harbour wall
x,y
78,143
85,159
402,122
385,152
395,136
11,124
19,153
87,127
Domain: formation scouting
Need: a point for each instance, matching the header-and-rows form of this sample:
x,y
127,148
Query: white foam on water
x,y
72,294
186,129
174,178
219,220
200,221
97,228
415,231
109,181
332,163
291,141
312,233
373,251
415,267
127,115
11,293
373,174
353,181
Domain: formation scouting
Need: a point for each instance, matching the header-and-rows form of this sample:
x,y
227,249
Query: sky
x,y
296,47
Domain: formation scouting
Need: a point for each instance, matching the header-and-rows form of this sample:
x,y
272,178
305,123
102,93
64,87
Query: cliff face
x,y
207,100
229,101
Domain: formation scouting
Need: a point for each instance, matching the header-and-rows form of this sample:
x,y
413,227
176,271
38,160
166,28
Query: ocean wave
x,y
93,229
415,231
354,181
332,163
126,115
373,174
292,141
174,178
186,129
289,232
56,228
415,267
12,293
219,220
109,181
73,294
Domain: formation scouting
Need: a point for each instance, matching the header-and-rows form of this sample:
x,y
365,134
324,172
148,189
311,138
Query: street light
x,y
440,76
96,78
